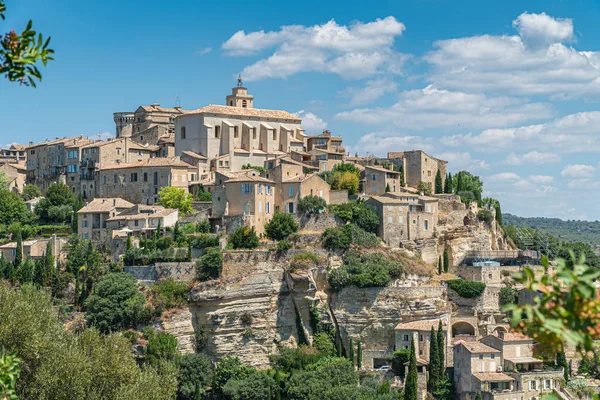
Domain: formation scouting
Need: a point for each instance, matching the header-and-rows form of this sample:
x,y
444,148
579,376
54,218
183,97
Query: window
x,y
133,177
426,225
533,385
246,188
145,177
156,178
492,356
420,338
235,132
136,222
182,129
548,384
290,191
373,177
268,208
118,151
141,136
481,356
374,188
253,133
269,189
389,219
260,206
116,178
153,221
405,338
217,131
274,134
260,186
104,181
84,223
244,104
400,219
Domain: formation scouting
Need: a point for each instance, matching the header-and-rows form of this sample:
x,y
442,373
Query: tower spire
x,y
239,81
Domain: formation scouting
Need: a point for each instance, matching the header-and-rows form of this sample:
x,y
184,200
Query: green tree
x,y
402,179
448,184
478,396
177,198
411,385
162,347
19,250
19,54
311,204
441,346
228,368
358,354
116,303
440,266
387,188
256,385
210,264
13,209
280,226
424,187
177,235
25,271
129,242
351,351
244,238
561,361
399,360
439,187
45,269
31,192
434,360
10,368
446,260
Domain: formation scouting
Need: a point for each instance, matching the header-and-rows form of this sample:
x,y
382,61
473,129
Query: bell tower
x,y
239,96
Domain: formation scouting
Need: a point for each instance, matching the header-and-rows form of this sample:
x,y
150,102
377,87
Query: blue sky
x,y
509,91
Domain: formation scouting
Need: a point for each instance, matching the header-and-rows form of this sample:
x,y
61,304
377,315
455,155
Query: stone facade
x,y
16,173
91,219
338,196
141,220
35,249
376,180
418,166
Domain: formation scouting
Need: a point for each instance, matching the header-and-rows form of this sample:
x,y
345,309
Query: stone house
x,y
325,160
166,146
152,122
35,248
47,161
16,173
476,369
418,166
240,135
325,141
141,220
14,153
123,123
419,332
405,217
375,180
140,182
246,195
198,161
91,219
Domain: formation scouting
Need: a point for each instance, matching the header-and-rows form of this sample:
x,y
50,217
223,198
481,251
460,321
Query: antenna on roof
x,y
239,81
177,102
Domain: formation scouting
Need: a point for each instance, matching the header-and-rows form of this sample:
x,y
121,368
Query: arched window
x,y
244,103
230,102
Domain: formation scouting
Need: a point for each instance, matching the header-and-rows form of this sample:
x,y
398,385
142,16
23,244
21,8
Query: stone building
x,y
325,141
141,221
376,181
418,166
140,182
14,153
16,173
405,217
47,161
97,155
420,332
123,123
91,219
148,118
232,136
34,249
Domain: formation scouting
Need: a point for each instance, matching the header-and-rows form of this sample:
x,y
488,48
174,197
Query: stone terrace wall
x,y
178,271
318,222
338,196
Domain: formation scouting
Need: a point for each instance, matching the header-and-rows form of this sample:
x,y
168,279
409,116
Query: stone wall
x,y
178,271
338,196
449,202
318,222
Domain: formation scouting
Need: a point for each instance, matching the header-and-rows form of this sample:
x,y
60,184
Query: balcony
x,y
87,163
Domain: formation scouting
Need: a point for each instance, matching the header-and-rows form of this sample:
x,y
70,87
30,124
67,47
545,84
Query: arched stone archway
x,y
462,328
499,329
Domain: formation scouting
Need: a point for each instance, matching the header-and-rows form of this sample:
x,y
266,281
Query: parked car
x,y
383,368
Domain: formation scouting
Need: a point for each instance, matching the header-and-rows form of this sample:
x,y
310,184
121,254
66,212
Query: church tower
x,y
239,96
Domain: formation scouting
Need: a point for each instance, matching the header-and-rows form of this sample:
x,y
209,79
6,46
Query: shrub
x,y
244,238
204,240
280,226
336,238
284,245
246,319
466,289
322,342
358,213
311,204
210,264
398,361
169,294
162,346
304,260
148,332
508,295
203,227
364,270
362,238
195,370
485,215
164,242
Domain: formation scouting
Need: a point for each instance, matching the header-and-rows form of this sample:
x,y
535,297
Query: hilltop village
x,y
282,241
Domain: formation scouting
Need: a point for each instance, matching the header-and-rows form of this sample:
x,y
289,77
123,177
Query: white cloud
x,y
433,108
204,51
379,143
533,157
535,62
541,29
310,122
355,51
458,161
504,177
371,91
577,171
541,178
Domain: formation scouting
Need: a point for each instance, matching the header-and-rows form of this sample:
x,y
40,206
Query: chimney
x,y
31,143
155,105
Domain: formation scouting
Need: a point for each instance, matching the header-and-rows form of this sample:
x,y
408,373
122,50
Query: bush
x,y
485,215
169,294
246,319
195,370
203,241
304,260
203,227
466,289
425,188
400,358
358,213
210,264
284,245
116,303
508,295
336,238
244,238
161,347
311,204
148,332
59,213
281,226
164,242
322,342
364,270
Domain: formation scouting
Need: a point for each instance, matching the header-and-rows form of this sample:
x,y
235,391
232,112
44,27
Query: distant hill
x,y
570,231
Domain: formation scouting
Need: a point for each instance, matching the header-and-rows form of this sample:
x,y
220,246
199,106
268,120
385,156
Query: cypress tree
x,y
561,360
351,352
441,347
433,361
446,260
498,213
19,251
459,183
277,385
411,385
359,355
448,183
440,265
176,234
478,396
129,243
76,292
25,271
9,271
158,229
2,266
387,188
401,170
338,346
439,187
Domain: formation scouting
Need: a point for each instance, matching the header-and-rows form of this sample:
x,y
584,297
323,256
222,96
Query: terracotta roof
x,y
492,377
165,109
249,178
389,200
105,205
523,360
168,138
300,178
381,169
16,146
135,212
246,112
132,144
422,325
74,139
151,162
513,337
13,245
194,155
477,347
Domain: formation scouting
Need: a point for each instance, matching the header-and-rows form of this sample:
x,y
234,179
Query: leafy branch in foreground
x,y
9,371
19,54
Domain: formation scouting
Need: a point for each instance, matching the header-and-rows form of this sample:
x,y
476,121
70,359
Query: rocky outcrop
x,y
179,323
